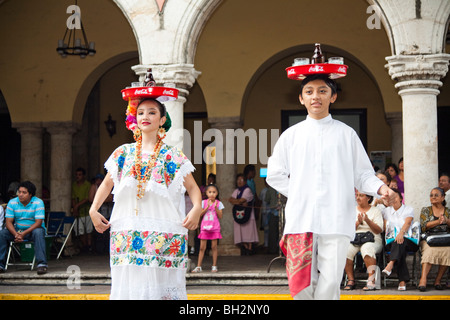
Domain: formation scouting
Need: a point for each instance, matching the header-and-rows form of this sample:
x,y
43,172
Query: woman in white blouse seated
x,y
369,222
397,223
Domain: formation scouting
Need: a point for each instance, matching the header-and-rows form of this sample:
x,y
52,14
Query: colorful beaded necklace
x,y
143,177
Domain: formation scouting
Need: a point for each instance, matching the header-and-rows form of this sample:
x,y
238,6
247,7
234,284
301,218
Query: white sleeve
x,y
278,168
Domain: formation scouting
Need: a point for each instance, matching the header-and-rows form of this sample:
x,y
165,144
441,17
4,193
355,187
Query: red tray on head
x,y
162,94
301,72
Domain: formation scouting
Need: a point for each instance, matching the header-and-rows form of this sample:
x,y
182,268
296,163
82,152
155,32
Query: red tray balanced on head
x,y
301,72
162,94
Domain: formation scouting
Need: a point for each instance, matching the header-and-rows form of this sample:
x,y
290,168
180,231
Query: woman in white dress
x,y
148,246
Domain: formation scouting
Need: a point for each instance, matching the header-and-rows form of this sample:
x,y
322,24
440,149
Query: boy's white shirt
x,y
317,164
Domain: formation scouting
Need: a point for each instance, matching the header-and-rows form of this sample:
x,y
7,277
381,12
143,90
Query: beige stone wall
x,y
242,35
39,85
242,51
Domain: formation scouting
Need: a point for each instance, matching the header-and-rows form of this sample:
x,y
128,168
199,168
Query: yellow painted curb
x,y
217,297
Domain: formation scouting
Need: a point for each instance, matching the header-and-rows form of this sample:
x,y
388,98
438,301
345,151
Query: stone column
x,y
181,77
31,154
394,119
418,79
61,165
226,182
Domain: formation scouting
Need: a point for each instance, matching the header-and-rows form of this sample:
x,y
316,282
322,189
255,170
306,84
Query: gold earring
x,y
161,133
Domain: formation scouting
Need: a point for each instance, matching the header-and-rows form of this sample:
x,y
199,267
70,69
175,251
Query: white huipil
x,y
148,243
317,164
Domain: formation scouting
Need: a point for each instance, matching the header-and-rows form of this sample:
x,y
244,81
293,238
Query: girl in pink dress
x,y
210,226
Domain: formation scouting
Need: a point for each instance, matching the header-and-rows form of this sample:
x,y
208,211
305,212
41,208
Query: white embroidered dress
x,y
148,248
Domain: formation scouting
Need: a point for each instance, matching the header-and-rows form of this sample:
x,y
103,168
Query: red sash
x,y
298,251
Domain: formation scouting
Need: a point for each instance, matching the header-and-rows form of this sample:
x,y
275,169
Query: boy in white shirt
x,y
317,164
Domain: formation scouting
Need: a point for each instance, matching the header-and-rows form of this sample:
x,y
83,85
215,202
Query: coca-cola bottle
x,y
149,81
318,56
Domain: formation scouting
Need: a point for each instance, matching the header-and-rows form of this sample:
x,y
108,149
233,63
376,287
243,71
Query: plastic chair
x,y
55,226
15,247
55,223
66,221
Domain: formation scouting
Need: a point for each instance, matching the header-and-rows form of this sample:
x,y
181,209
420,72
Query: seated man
x,y
25,216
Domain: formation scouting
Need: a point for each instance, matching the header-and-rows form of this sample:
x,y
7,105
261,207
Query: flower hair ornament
x,y
134,96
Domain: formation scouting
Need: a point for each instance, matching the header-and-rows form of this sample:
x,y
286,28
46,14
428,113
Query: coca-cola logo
x,y
316,69
142,91
291,71
342,69
169,92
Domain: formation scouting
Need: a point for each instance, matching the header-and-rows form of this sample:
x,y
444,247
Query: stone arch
x,y
179,25
92,79
10,141
409,26
379,11
190,28
302,48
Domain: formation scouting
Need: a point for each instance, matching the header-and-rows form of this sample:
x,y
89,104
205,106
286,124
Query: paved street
x,y
244,277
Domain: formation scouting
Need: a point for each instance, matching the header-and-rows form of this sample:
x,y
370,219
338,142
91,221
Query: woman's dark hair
x,y
29,186
370,198
329,82
442,192
161,107
162,111
248,168
387,175
212,175
398,192
393,165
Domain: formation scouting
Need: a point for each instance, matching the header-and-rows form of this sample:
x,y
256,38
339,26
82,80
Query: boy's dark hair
x,y
29,186
329,82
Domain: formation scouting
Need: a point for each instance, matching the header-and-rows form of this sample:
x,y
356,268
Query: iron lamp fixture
x,y
110,126
71,44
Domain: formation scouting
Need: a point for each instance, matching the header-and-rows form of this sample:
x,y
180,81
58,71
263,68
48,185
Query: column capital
x,y
28,127
181,74
394,117
418,73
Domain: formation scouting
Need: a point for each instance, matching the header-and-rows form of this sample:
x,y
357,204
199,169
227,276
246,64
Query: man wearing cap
x,y
317,164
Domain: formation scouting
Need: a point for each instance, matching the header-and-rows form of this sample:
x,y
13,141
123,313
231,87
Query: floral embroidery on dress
x,y
166,166
157,249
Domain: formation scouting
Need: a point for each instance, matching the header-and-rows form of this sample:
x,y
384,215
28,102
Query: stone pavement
x,y
244,278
